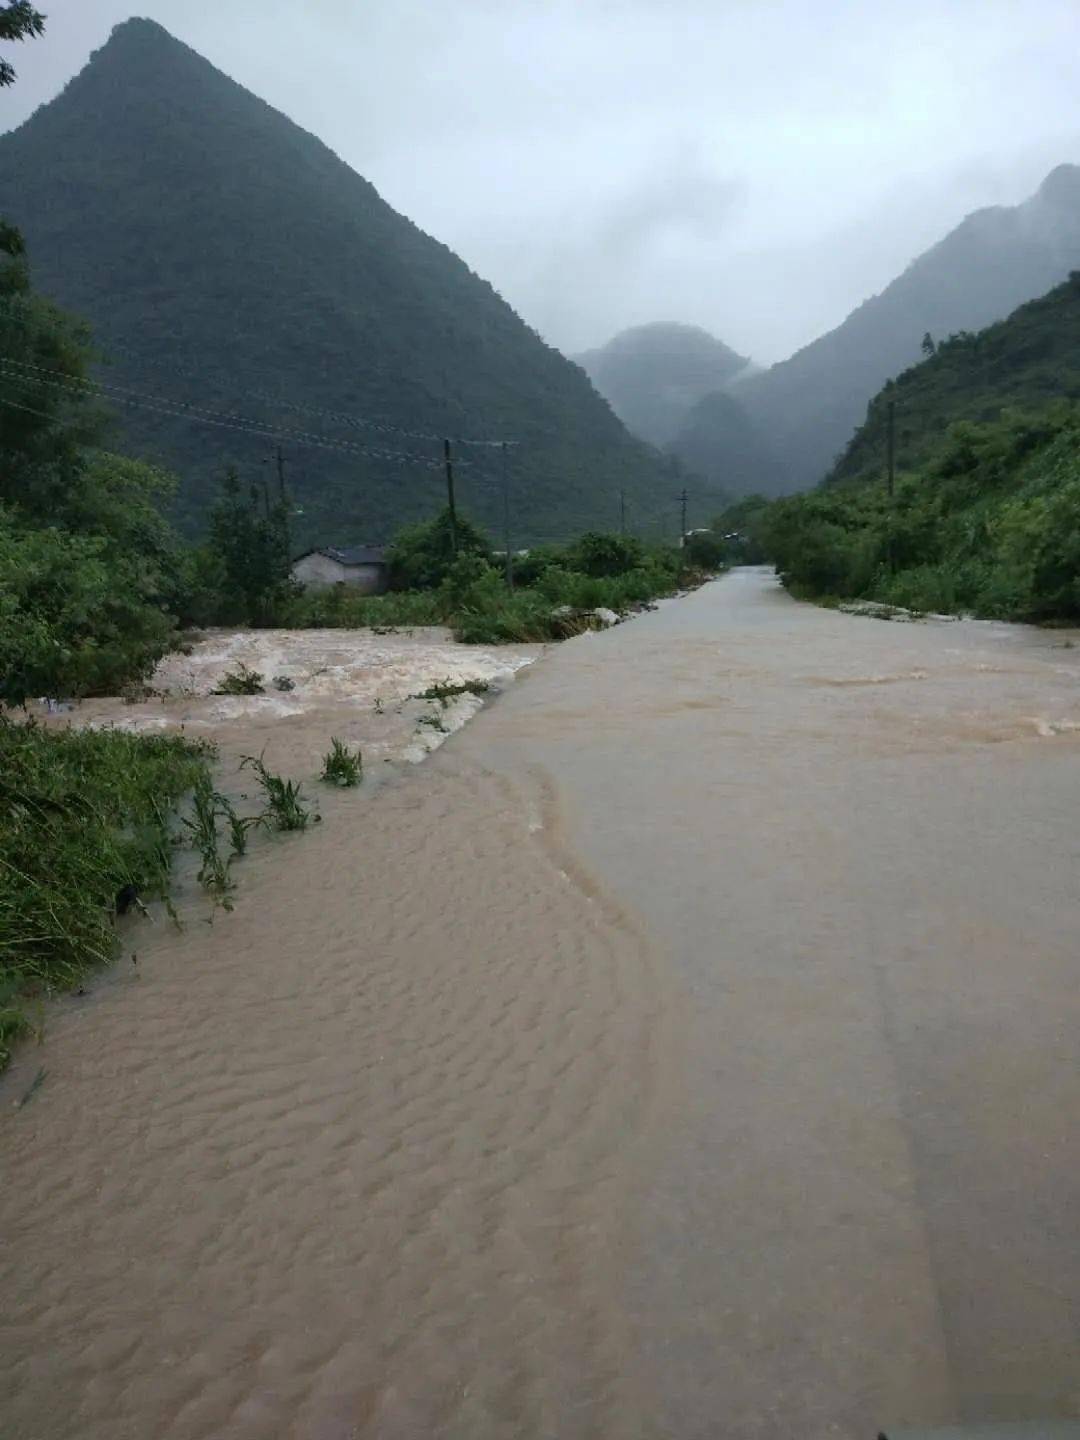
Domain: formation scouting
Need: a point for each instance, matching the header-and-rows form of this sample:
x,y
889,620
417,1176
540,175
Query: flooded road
x,y
688,1049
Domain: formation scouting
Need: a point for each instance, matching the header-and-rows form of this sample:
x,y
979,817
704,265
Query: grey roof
x,y
349,554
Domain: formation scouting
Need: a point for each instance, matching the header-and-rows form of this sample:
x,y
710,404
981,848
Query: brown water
x,y
688,1049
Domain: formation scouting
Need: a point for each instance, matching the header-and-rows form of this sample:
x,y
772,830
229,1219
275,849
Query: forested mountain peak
x,y
243,277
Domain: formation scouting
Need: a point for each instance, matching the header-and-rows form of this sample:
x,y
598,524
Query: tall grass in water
x,y
84,816
207,808
285,808
341,766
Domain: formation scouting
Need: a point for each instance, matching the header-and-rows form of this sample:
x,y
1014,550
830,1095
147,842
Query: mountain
x,y
984,517
240,279
1023,363
653,375
718,441
993,261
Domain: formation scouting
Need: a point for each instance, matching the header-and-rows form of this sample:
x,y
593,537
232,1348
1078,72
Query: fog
x,y
758,167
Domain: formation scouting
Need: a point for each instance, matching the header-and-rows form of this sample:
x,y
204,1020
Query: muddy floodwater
x,y
688,1049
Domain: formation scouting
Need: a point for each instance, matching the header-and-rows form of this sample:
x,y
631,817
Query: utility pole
x,y
451,507
891,482
506,517
683,498
281,472
892,447
622,512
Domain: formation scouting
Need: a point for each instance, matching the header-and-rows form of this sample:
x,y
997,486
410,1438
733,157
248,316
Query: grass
x,y
341,766
86,814
285,808
207,808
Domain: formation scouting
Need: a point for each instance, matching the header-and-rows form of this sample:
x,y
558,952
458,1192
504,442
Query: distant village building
x,y
362,567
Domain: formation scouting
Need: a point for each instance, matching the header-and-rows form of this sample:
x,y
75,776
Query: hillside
x,y
718,441
653,375
993,261
234,270
1022,363
985,515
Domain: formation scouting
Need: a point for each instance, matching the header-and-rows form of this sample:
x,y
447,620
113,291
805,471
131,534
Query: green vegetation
x,y
985,517
806,407
446,690
86,827
207,808
241,681
341,766
1022,363
557,589
285,808
89,570
19,20
237,273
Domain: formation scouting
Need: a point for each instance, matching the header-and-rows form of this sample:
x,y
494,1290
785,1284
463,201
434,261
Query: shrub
x,y
601,555
241,681
422,556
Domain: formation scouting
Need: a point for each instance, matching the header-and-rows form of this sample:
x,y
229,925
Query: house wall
x,y
319,571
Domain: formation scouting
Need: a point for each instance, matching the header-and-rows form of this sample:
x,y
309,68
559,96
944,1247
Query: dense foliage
x,y
240,277
1023,362
84,823
985,516
90,573
557,587
990,525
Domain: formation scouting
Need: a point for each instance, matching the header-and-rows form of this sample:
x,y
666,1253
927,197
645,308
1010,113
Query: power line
x,y
242,424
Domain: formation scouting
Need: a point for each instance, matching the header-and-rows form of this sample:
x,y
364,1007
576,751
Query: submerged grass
x,y
341,766
446,690
84,816
285,808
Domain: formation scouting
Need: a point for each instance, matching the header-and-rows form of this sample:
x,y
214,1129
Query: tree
x,y
252,547
47,411
928,347
422,556
18,21
603,556
89,568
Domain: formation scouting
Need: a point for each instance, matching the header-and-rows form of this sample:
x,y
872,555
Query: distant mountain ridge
x,y
778,430
991,262
233,266
1023,363
653,375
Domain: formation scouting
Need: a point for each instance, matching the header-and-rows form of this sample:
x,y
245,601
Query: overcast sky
x,y
757,167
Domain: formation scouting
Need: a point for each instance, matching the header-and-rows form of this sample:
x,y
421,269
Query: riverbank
x,y
101,823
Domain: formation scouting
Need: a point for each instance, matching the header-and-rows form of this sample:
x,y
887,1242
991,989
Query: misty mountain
x,y
993,261
1023,363
240,279
719,442
653,375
